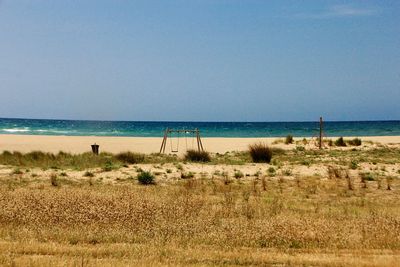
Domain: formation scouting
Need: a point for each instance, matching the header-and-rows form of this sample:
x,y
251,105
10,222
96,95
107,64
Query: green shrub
x,y
38,155
289,139
146,178
287,172
353,165
109,166
130,157
340,142
187,175
16,171
88,174
198,156
271,170
367,176
179,166
260,152
238,174
355,142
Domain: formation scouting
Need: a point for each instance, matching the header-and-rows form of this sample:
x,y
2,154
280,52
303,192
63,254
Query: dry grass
x,y
206,221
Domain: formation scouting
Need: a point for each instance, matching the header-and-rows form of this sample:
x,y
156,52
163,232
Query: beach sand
x,y
80,144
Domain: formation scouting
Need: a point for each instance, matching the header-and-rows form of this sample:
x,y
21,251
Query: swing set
x,y
168,133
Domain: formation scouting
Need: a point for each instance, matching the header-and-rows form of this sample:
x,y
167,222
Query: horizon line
x,y
201,121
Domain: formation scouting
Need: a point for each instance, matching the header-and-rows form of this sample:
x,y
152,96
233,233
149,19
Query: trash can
x,y
95,149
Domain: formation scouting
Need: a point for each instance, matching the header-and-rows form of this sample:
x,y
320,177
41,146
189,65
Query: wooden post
x,y
201,144
197,139
320,132
164,142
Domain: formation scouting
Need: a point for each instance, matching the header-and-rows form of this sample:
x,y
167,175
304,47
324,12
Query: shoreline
x,y
147,145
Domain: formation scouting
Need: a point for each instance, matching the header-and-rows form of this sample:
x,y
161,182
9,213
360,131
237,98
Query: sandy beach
x,y
80,144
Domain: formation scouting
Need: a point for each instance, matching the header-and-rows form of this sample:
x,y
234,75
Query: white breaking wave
x,y
54,131
16,130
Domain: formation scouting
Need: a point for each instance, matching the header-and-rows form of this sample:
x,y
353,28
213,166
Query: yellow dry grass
x,y
209,220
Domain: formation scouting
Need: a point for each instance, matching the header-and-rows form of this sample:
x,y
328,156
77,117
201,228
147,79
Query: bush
x,y
355,142
271,170
289,139
109,166
260,152
199,156
146,178
54,180
88,174
353,165
187,175
367,176
130,157
238,174
38,155
17,171
340,142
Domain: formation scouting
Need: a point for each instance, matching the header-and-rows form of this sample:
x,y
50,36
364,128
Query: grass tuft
x,y
340,142
238,174
54,180
260,152
146,178
130,157
197,156
355,142
88,174
289,139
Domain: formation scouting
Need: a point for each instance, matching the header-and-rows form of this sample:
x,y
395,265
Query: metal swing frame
x,y
168,132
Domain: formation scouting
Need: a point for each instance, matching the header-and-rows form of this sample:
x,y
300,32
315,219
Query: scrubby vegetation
x,y
238,174
260,152
341,208
289,139
130,157
354,142
83,161
88,174
146,178
261,221
340,142
197,156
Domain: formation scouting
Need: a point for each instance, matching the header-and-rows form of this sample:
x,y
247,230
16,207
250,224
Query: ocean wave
x,y
54,131
16,130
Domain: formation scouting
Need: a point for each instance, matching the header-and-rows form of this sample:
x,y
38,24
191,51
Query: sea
x,y
207,129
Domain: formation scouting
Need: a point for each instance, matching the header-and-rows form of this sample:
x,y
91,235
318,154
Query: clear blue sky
x,y
200,60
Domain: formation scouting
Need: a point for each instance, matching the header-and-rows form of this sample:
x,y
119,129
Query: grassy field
x,y
335,207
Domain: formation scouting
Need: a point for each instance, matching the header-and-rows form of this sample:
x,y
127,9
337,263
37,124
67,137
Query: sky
x,y
200,60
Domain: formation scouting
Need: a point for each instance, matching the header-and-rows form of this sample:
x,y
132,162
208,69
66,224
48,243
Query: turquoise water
x,y
208,129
